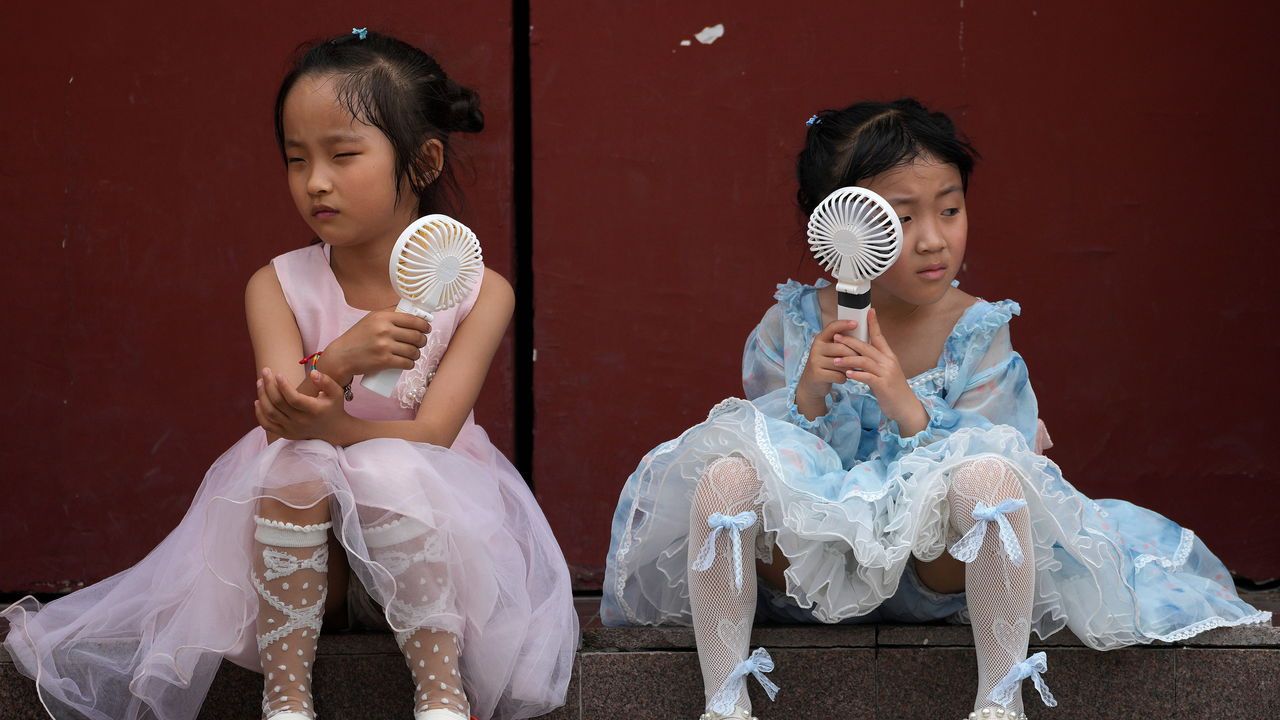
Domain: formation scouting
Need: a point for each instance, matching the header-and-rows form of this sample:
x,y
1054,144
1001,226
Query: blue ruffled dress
x,y
848,500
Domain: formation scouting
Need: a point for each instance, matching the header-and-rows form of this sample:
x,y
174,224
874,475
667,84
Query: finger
x,y
862,377
289,396
858,346
265,422
874,335
411,322
267,411
272,390
409,337
841,349
860,363
406,351
837,326
328,386
298,402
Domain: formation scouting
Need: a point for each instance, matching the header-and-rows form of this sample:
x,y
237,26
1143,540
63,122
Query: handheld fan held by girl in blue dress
x,y
435,264
855,234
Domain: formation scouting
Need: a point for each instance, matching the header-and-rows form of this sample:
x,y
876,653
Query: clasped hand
x,y
836,356
381,340
283,411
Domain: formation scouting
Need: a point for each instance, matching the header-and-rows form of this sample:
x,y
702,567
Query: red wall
x,y
141,188
1124,198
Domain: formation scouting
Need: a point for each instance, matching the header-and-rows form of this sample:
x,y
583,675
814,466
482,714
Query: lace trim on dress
x,y
415,381
1179,556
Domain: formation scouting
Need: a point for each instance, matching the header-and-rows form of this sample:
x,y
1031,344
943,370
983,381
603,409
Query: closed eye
x,y
293,160
345,155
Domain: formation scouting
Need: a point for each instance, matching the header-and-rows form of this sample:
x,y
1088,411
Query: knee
x,y
727,483
989,479
300,503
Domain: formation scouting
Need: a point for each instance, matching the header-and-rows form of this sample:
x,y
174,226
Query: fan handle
x,y
852,302
384,382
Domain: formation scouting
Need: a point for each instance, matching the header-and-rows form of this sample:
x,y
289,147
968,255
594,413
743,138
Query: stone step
x,y
850,671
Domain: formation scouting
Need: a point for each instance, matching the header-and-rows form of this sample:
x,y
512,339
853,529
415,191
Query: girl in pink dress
x,y
445,541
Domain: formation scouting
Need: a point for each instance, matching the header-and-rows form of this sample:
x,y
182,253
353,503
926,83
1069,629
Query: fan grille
x,y
438,263
855,234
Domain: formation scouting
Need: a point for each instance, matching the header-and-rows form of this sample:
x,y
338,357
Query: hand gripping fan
x,y
435,264
855,234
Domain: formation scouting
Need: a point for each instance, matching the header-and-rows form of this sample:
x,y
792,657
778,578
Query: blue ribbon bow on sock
x,y
735,524
1002,693
757,665
966,548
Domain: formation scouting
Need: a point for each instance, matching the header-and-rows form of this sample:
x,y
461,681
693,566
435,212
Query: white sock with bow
x,y
291,566
988,509
723,525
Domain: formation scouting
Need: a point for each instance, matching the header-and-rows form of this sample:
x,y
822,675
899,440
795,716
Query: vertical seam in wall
x,y
522,246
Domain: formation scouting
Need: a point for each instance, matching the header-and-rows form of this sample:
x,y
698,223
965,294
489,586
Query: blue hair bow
x,y
813,120
362,33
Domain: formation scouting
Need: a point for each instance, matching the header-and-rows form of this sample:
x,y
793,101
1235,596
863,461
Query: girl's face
x,y
929,199
341,170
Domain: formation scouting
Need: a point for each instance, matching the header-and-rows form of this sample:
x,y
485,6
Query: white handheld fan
x,y
435,264
855,234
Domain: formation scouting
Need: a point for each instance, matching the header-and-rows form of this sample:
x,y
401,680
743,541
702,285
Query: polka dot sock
x,y
432,656
290,572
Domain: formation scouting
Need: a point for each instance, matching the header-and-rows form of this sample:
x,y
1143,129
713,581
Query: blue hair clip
x,y
814,120
362,33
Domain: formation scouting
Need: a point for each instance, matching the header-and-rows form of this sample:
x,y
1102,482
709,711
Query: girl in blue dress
x,y
898,479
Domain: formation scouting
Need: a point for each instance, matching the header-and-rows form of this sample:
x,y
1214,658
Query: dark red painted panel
x,y
1124,198
141,188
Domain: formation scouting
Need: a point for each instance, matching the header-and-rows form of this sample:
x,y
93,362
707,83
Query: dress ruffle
x,y
151,638
849,501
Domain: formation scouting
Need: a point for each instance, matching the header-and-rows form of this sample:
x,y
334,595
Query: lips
x,y
933,272
323,212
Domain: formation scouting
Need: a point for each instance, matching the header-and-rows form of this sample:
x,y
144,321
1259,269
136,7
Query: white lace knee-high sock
x,y
290,572
723,524
988,508
424,611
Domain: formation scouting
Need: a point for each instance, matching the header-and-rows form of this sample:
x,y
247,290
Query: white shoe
x,y
290,715
737,714
439,714
996,713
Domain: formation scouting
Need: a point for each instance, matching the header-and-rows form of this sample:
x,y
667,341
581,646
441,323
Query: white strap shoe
x,y
439,714
996,714
737,714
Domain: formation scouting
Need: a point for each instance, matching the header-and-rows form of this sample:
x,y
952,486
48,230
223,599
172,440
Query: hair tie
x,y
361,33
813,120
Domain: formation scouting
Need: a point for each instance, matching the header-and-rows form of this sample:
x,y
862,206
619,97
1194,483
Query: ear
x,y
433,158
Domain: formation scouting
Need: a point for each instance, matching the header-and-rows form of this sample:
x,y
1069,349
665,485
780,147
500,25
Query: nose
x,y
318,181
929,238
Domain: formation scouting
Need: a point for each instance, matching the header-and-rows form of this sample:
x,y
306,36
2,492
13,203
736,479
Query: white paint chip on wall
x,y
710,34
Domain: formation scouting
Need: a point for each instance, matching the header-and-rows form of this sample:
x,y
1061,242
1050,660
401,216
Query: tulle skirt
x,y
150,639
1116,574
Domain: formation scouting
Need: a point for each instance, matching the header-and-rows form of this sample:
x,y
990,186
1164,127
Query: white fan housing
x,y
435,264
856,235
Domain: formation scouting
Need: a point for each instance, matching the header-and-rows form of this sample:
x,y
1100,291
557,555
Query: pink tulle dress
x,y
148,641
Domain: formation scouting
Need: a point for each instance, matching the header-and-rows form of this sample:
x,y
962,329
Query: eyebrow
x,y
908,199
331,139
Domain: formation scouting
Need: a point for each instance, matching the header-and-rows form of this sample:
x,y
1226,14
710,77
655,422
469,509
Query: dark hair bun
x,y
464,109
